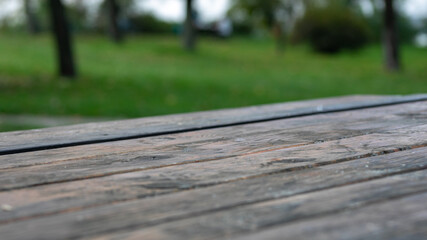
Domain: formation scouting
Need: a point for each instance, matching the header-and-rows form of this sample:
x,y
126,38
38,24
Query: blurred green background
x,y
149,73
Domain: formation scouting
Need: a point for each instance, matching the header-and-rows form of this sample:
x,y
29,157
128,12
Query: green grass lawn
x,y
150,75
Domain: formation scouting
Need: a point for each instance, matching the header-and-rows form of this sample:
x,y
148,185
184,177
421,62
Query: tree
x,y
63,39
113,21
390,39
32,21
189,33
112,13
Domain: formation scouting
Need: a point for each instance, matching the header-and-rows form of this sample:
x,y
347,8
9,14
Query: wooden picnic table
x,y
351,167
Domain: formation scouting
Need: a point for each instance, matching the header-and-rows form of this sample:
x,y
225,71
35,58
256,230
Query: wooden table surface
x,y
351,167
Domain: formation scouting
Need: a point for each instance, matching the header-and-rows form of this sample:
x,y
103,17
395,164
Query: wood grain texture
x,y
354,173
123,187
22,141
182,176
242,139
179,206
261,145
404,218
353,200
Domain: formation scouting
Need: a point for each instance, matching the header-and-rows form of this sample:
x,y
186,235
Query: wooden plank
x,y
404,218
74,221
242,166
22,141
206,209
294,214
238,152
241,139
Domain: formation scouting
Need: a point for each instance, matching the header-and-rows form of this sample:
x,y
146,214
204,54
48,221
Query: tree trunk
x,y
113,21
63,39
32,22
391,44
189,34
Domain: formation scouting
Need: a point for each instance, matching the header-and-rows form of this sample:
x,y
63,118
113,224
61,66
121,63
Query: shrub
x,y
243,28
148,23
331,29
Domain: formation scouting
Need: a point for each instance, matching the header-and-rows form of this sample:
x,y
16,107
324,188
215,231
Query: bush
x,y
242,28
331,29
148,23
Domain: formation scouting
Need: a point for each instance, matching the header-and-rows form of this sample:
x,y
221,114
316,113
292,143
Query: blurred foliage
x,y
331,29
262,10
249,15
423,27
151,75
406,28
148,23
126,8
43,15
261,13
77,16
131,20
246,15
242,28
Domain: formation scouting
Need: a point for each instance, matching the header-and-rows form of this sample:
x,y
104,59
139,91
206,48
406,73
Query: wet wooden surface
x,y
339,168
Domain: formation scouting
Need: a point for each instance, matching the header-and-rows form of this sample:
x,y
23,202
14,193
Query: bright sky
x,y
173,10
416,8
213,9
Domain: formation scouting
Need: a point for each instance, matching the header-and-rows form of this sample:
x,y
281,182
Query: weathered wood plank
x,y
241,139
179,211
404,218
22,141
220,170
186,204
324,206
237,139
257,146
197,181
